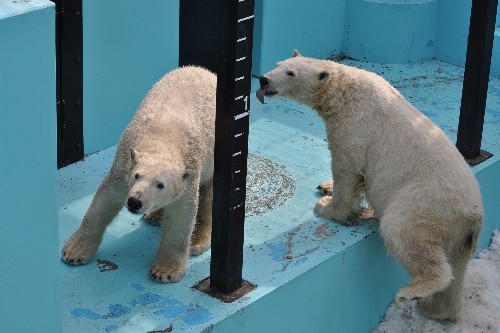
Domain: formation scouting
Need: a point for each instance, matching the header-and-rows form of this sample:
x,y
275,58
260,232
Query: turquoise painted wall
x,y
453,31
324,298
454,17
316,33
487,177
29,256
127,47
391,31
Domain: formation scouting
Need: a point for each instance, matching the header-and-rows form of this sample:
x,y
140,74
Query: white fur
x,y
165,160
421,189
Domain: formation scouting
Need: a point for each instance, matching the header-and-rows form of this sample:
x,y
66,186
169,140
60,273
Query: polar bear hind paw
x,y
167,273
421,290
199,248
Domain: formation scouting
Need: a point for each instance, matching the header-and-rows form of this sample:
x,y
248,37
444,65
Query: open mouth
x,y
270,93
264,92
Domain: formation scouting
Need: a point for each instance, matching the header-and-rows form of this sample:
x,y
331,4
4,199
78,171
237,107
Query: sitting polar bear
x,y
418,184
163,168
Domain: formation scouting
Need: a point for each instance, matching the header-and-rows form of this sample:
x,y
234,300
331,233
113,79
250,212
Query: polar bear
x,y
421,189
163,168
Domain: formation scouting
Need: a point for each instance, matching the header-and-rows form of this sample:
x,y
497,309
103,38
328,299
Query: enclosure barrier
x,y
476,77
218,35
234,63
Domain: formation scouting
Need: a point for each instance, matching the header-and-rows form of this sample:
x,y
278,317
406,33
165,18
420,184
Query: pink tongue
x,y
260,95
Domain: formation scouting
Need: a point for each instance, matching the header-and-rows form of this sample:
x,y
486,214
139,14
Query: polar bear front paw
x,y
154,217
78,251
326,209
167,273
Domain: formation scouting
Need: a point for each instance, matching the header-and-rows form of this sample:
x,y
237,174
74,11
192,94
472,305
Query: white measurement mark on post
x,y
237,171
239,78
240,59
245,18
241,115
236,154
241,39
239,97
238,135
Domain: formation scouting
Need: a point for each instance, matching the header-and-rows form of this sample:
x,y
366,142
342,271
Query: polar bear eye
x,y
290,73
137,176
160,186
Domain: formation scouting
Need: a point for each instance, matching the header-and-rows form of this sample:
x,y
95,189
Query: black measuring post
x,y
69,81
198,37
476,77
231,150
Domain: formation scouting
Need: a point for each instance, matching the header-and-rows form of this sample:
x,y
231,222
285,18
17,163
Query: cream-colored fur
x,y
421,189
163,168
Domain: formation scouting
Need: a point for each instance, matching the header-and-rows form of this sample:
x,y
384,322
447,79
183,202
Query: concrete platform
x,y
311,274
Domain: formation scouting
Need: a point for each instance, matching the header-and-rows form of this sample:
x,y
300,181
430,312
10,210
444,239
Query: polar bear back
x,y
407,153
175,120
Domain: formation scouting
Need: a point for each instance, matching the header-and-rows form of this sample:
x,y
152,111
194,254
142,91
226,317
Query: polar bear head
x,y
298,78
153,183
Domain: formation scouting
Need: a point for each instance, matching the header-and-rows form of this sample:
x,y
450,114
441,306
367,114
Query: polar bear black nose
x,y
264,81
134,204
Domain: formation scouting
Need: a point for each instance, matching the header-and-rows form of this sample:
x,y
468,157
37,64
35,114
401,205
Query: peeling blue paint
x,y
192,314
145,299
137,286
277,251
197,315
115,310
85,313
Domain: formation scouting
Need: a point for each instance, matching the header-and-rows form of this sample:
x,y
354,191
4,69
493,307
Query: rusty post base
x,y
245,288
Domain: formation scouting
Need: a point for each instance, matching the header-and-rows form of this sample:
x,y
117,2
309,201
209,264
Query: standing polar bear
x,y
421,189
163,168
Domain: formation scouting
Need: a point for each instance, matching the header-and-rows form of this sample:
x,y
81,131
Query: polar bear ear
x,y
188,174
296,53
134,155
323,75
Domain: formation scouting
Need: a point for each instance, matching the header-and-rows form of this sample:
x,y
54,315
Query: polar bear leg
x,y
446,304
201,237
107,202
416,245
345,196
171,259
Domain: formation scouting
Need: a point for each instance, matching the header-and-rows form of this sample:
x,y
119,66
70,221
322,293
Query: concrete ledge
x,y
391,31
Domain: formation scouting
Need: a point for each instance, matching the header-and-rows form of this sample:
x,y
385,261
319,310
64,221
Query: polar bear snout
x,y
134,205
265,89
264,81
